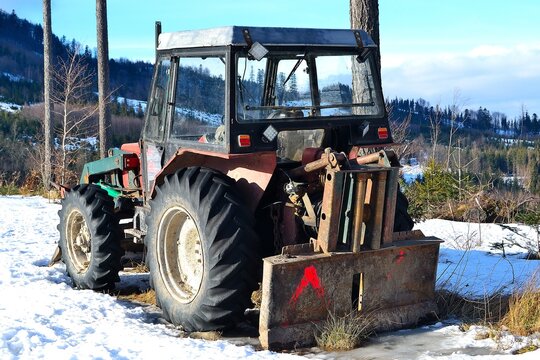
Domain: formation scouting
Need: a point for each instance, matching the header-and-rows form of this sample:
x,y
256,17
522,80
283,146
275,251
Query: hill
x,y
21,63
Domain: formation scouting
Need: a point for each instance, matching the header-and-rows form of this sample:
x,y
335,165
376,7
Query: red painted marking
x,y
399,258
388,276
310,278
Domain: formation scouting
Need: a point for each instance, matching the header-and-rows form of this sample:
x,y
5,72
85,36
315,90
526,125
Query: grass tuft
x,y
523,316
341,333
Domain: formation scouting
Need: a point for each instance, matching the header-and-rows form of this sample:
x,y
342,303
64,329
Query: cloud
x,y
501,78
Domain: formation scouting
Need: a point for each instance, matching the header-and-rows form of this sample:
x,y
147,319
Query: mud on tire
x,y
202,250
90,238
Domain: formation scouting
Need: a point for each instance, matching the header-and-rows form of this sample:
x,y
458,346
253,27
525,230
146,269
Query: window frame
x,y
311,55
177,60
165,110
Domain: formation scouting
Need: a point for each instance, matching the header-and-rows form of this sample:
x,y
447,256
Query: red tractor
x,y
260,145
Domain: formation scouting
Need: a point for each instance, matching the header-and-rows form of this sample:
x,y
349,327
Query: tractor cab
x,y
237,90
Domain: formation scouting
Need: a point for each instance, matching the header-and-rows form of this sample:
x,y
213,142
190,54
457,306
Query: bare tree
x,y
47,119
402,146
72,89
103,77
457,104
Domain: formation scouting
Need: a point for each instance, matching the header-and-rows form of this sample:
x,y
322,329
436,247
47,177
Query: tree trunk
x,y
103,78
47,68
365,15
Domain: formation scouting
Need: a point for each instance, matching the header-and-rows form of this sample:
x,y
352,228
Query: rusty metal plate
x,y
299,291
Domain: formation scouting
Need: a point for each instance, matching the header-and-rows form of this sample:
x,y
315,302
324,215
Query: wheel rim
x,y
79,241
180,254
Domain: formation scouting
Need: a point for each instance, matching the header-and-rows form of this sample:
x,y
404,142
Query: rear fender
x,y
252,172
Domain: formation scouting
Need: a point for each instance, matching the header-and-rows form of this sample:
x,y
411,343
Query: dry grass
x,y
256,298
206,335
523,316
136,267
518,313
147,297
487,310
340,333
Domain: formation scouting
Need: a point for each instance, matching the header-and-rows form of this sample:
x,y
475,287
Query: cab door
x,y
157,116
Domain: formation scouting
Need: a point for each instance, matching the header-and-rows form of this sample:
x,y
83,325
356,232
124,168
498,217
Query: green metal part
x,y
111,191
107,165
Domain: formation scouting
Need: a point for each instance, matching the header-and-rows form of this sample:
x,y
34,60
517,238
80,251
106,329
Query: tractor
x,y
261,165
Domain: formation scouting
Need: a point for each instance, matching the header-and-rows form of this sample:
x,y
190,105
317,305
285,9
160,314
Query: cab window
x,y
200,100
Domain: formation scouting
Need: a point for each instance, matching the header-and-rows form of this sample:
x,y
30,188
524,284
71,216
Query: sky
x,y
467,53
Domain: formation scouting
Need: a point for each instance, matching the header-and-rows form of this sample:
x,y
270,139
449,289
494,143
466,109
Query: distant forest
x,y
21,63
488,142
21,82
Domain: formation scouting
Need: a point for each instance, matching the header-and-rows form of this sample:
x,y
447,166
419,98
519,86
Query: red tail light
x,y
244,140
131,161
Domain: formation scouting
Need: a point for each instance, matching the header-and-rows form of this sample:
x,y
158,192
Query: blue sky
x,y
487,51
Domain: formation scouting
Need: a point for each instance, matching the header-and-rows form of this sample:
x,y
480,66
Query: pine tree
x,y
293,89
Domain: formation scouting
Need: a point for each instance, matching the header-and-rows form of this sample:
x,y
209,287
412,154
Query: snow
x,y
132,103
412,172
14,78
9,107
471,260
43,317
209,118
74,143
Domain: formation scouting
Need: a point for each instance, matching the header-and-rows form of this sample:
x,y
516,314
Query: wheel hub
x,y
79,241
180,253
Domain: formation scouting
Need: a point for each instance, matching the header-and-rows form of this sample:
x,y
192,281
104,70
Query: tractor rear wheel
x,y
90,238
202,250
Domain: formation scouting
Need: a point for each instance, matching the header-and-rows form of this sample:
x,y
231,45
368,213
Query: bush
x,y
428,195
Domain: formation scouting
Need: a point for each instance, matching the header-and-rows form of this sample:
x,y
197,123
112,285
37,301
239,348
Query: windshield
x,y
301,85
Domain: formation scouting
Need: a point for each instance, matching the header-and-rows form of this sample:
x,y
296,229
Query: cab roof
x,y
267,36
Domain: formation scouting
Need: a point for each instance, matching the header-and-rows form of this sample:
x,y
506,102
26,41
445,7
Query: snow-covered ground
x,y
411,172
14,78
471,260
41,316
132,103
9,107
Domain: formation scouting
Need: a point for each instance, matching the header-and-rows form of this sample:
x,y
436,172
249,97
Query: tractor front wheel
x,y
202,250
90,238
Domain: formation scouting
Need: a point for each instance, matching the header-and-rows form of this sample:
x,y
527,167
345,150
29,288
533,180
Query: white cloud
x,y
489,50
500,78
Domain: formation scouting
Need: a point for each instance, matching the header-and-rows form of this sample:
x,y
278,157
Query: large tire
x,y
402,221
202,250
90,238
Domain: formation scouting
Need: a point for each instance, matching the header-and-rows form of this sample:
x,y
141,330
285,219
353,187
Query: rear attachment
x,y
356,263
